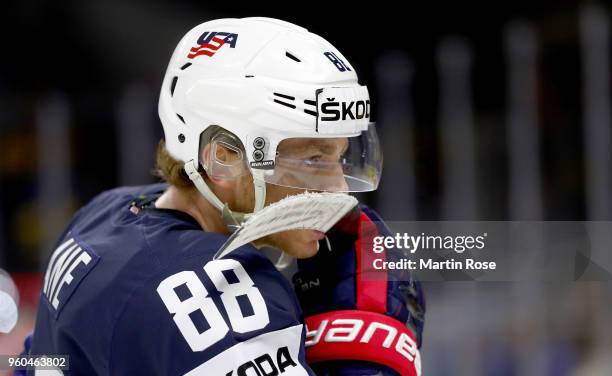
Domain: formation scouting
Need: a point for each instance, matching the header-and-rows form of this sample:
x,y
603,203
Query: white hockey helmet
x,y
276,87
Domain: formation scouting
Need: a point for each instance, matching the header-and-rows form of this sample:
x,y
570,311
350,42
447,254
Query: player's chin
x,y
305,243
305,249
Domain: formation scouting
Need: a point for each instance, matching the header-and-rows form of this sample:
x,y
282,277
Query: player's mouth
x,y
318,235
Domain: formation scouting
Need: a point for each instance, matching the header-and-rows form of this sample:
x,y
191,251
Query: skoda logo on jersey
x,y
265,364
333,110
211,41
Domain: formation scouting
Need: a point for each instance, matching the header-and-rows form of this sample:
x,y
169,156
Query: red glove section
x,y
371,284
364,336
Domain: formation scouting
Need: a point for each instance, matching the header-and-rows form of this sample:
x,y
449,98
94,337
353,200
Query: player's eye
x,y
313,160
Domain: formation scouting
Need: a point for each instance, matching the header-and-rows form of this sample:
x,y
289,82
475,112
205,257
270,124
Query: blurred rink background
x,y
500,112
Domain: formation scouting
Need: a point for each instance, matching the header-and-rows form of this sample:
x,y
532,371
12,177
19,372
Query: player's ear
x,y
226,155
222,163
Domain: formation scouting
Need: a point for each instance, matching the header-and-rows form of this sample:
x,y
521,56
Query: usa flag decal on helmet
x,y
210,42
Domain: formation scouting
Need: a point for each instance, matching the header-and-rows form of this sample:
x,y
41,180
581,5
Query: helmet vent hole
x,y
292,56
310,111
286,100
285,96
173,85
187,65
180,118
284,103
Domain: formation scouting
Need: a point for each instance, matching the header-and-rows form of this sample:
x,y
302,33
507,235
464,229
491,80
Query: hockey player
x,y
254,110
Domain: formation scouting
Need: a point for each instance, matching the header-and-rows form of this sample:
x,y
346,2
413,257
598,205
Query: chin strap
x,y
233,220
284,261
260,189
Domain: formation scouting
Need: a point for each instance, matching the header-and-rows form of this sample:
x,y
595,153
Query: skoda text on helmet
x,y
273,85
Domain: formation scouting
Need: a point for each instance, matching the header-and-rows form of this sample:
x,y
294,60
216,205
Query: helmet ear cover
x,y
222,154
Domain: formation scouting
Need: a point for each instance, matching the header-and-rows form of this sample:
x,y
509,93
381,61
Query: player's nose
x,y
337,181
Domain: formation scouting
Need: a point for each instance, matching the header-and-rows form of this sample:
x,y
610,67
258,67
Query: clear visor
x,y
342,164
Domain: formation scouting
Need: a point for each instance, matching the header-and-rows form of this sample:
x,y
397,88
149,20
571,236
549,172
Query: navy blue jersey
x,y
131,290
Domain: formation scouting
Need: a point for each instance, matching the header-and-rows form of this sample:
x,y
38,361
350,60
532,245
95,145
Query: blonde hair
x,y
169,169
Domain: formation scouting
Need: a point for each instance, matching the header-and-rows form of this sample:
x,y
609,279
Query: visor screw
x,y
181,138
258,155
259,143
